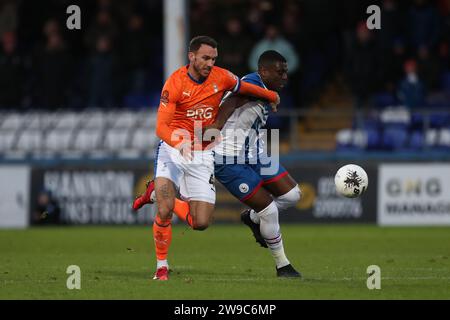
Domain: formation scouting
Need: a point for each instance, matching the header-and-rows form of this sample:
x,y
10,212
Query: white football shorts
x,y
194,178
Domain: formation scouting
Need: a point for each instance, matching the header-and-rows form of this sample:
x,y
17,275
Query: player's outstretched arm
x,y
261,93
235,85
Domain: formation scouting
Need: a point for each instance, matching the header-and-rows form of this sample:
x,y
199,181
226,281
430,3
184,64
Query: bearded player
x,y
190,96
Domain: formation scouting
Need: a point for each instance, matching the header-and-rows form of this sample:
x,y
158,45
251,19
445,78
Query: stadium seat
x,y
384,99
58,140
445,83
143,140
444,139
95,119
359,140
395,137
431,137
373,139
439,120
39,120
416,140
116,139
30,141
7,140
12,121
87,140
126,120
347,139
395,116
147,119
370,123
68,120
344,139
417,121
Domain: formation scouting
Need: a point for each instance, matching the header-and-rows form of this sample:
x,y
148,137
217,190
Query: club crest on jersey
x,y
243,187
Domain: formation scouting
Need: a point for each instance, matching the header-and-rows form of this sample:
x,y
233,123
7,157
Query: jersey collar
x,y
261,80
192,78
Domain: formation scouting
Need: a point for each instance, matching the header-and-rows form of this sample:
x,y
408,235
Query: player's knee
x,y
164,212
289,199
200,226
200,223
297,195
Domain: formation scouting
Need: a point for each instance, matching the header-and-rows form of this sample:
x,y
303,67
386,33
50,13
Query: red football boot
x,y
161,274
146,197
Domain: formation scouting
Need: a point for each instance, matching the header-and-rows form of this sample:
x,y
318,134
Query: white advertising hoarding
x,y
414,194
14,196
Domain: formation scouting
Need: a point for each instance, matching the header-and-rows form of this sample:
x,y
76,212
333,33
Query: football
x,y
351,181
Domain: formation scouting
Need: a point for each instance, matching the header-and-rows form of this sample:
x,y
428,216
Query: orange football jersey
x,y
189,100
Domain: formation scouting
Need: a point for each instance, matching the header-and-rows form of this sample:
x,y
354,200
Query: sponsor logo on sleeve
x,y
165,97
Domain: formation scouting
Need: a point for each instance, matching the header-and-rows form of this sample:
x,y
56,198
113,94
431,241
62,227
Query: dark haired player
x,y
191,95
240,160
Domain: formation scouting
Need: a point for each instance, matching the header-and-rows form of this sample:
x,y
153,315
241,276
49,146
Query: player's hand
x,y
275,104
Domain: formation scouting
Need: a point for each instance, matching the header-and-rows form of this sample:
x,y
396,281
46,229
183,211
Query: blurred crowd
x,y
116,55
116,59
403,63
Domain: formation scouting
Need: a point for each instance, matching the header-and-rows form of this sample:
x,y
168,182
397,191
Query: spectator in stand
x,y
47,210
292,28
101,69
12,72
234,47
53,66
411,91
135,54
428,68
423,25
8,15
274,41
361,68
294,32
203,18
393,22
104,26
391,71
256,17
391,44
444,45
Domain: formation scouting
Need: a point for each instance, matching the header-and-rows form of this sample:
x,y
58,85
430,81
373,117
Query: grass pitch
x,y
224,262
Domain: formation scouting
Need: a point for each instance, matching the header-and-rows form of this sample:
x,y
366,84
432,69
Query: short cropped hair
x,y
269,57
196,43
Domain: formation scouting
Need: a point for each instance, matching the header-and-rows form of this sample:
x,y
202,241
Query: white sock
x,y
270,230
279,256
161,263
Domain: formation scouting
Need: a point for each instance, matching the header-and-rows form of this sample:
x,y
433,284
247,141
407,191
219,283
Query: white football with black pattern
x,y
351,181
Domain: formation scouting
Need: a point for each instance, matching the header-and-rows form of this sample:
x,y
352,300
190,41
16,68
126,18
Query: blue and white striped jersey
x,y
241,134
